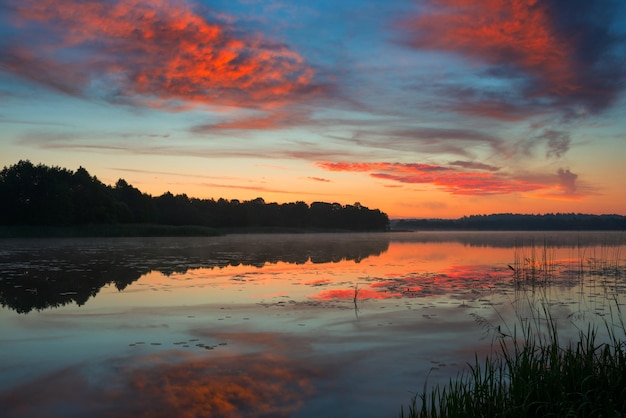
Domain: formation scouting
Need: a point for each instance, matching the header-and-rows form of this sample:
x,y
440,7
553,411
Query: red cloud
x,y
517,33
449,179
161,51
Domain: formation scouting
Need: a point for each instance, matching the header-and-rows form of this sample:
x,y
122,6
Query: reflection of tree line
x,y
74,271
519,222
517,239
53,196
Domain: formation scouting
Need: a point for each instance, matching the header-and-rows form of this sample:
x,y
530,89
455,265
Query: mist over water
x,y
277,325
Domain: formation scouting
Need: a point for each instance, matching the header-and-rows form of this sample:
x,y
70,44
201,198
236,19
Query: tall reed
x,y
534,375
529,266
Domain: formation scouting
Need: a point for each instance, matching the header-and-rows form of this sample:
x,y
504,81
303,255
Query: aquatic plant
x,y
531,267
536,377
534,374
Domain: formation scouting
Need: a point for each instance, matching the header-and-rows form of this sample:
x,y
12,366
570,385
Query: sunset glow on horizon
x,y
419,108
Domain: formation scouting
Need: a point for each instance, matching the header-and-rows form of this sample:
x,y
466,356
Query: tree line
x,y
519,222
44,195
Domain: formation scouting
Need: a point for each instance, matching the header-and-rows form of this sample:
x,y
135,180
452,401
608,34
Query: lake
x,y
279,325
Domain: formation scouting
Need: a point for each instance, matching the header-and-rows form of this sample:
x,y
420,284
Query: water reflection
x,y
37,275
459,282
171,384
280,325
513,239
53,273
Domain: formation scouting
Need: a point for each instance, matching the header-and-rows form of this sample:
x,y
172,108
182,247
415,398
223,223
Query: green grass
x,y
534,375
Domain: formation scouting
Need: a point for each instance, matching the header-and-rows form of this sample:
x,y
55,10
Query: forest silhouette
x,y
40,195
517,222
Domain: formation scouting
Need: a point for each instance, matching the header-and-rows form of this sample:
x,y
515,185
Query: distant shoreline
x,y
516,222
155,230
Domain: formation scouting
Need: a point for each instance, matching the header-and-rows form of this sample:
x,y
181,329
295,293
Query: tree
x,y
42,195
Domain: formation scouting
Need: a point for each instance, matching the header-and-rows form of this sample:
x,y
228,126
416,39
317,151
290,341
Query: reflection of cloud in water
x,y
456,281
171,385
287,354
37,275
360,294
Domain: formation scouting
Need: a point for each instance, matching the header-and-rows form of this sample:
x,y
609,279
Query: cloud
x,y
257,189
395,167
457,182
567,181
449,179
565,187
508,105
162,53
275,119
471,184
29,122
320,179
562,52
425,139
153,145
556,143
171,173
475,165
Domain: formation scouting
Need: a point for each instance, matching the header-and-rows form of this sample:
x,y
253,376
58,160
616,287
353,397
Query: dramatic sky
x,y
421,108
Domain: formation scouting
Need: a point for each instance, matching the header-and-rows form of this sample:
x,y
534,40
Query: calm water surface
x,y
310,325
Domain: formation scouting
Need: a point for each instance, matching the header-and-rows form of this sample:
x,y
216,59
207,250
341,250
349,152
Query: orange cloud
x,y
449,179
159,53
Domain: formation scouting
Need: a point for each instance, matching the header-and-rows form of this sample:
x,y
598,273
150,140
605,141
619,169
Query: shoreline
x,y
150,230
156,230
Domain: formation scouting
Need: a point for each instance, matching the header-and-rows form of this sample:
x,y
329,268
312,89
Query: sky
x,y
419,108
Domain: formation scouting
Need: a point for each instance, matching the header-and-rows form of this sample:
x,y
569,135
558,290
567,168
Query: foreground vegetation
x,y
535,374
536,378
43,196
